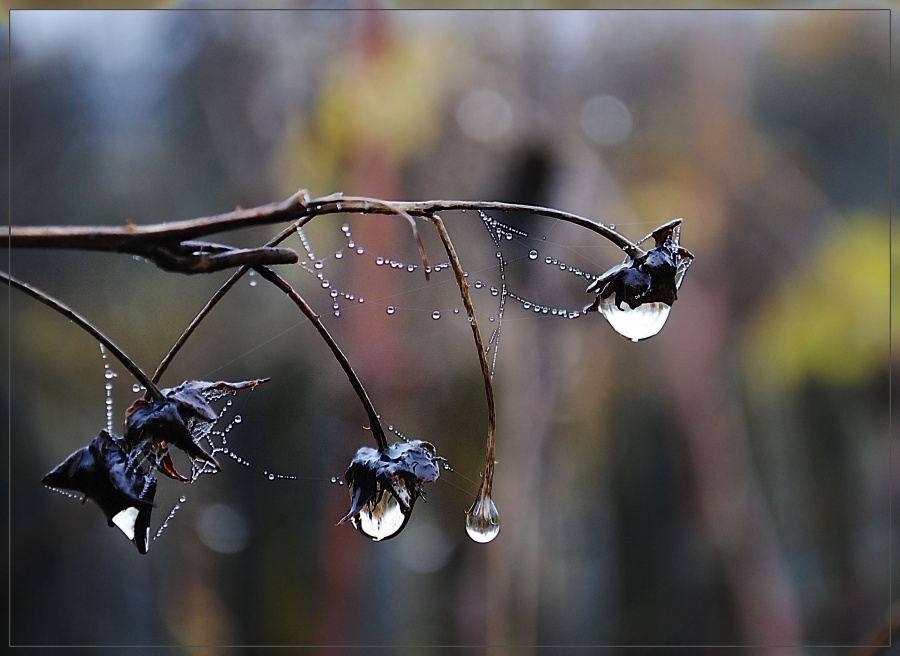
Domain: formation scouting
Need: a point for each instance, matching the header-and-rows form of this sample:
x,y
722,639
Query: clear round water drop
x,y
636,324
271,477
360,250
532,255
391,309
253,283
182,499
383,521
339,255
136,388
494,291
435,315
379,261
478,284
483,520
109,374
238,419
455,310
318,264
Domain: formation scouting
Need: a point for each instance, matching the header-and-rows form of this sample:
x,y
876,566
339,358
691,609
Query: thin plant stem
x,y
89,328
487,476
220,293
374,420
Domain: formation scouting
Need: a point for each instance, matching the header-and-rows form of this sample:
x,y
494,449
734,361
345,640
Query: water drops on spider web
x,y
165,524
108,375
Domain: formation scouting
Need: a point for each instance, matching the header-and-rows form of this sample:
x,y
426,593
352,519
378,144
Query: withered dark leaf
x,y
650,278
153,426
102,472
384,486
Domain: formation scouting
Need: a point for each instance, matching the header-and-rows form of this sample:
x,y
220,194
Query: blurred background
x,y
723,483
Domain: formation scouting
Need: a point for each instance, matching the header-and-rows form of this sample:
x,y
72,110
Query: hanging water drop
x,y
494,291
109,374
271,477
532,254
238,419
182,499
435,315
390,309
381,520
136,388
455,310
360,250
338,255
483,520
318,264
478,284
636,324
379,261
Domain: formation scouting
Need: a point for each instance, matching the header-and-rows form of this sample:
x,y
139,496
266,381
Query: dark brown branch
x,y
201,257
139,240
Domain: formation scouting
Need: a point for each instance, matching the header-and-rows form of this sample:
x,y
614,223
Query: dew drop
x,y
108,386
478,284
548,260
337,313
483,520
411,268
390,309
492,318
238,419
455,310
182,499
379,261
526,305
636,324
494,291
435,315
532,255
334,479
318,264
271,477
612,226
339,255
362,300
109,374
136,388
334,293
360,250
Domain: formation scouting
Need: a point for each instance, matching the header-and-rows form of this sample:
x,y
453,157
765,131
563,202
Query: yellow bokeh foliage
x,y
829,321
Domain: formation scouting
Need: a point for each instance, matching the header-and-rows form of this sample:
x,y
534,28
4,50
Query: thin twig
x,y
487,476
374,420
88,327
212,302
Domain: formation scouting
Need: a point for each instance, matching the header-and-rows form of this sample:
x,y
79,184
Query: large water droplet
x,y
238,419
532,255
640,323
109,373
137,388
435,315
382,520
483,520
339,255
391,309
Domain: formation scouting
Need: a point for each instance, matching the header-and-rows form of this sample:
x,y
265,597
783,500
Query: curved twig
x,y
88,327
487,476
374,420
